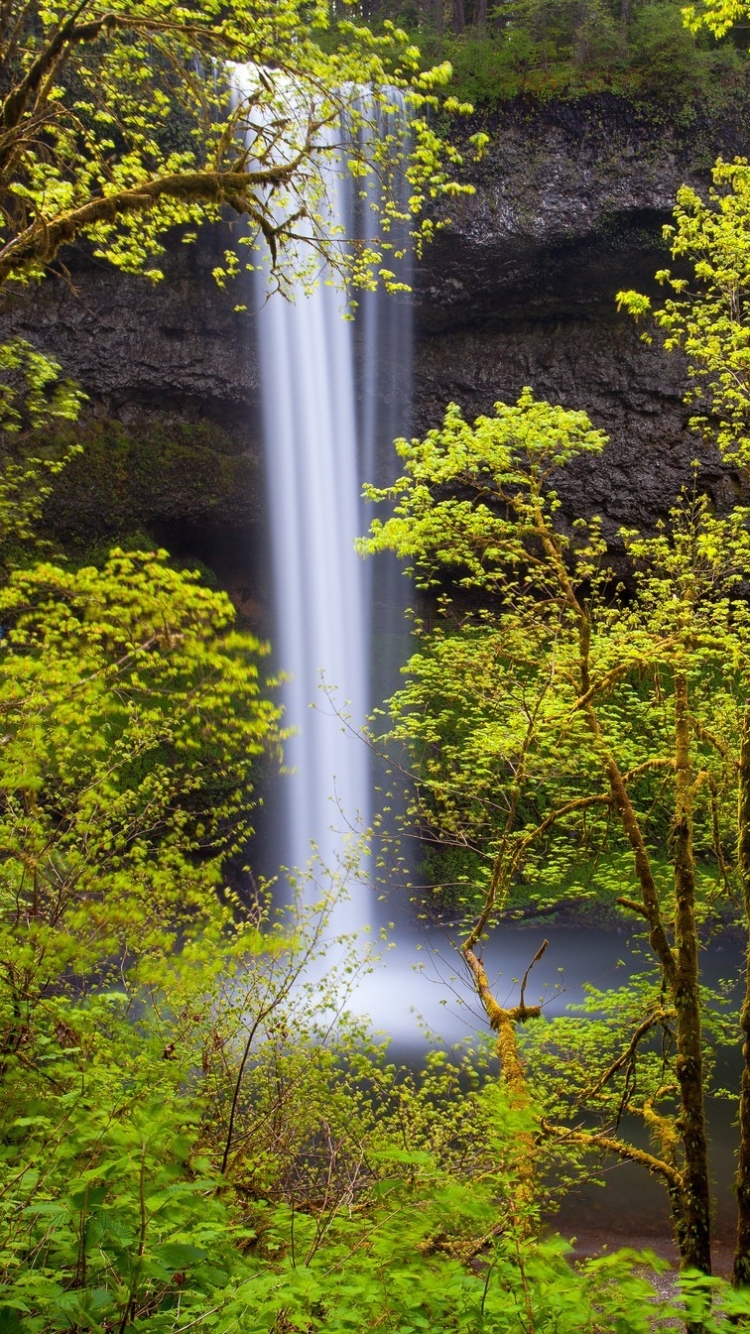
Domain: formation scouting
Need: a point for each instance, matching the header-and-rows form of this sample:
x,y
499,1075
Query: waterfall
x,y
329,418
385,377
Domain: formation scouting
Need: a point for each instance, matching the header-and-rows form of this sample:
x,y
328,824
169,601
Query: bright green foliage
x,y
361,1198
117,125
32,396
443,514
708,315
406,1278
475,690
716,15
190,1132
108,1214
123,1225
490,711
132,718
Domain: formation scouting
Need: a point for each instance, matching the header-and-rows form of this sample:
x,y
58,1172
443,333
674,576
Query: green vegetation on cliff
x,y
556,48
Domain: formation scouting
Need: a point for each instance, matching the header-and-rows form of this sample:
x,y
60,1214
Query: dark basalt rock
x,y
175,348
518,290
170,434
569,202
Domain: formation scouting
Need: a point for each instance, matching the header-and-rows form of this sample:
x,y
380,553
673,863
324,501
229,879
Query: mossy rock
x,y
131,478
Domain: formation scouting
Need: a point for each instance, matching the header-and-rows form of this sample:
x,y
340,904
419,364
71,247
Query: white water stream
x,y
322,624
329,418
335,393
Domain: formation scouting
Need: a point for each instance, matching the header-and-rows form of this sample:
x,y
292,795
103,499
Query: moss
x,y
133,479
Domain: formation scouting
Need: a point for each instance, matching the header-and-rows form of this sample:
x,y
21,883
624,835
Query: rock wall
x,y
518,289
171,437
570,203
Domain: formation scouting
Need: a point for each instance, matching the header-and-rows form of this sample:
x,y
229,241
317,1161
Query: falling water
x,y
385,366
309,427
329,418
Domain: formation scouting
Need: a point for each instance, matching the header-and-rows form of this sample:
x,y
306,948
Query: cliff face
x,y
569,207
519,289
171,437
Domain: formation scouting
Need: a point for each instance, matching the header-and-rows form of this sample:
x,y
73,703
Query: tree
x,y
716,15
117,124
132,720
708,317
561,727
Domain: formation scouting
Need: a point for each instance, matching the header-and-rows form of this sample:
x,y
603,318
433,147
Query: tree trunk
x,y
522,1152
438,16
480,14
459,18
695,1241
691,1203
741,1272
679,968
624,26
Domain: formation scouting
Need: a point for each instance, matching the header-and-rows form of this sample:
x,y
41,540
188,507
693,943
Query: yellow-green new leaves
x,y
716,15
475,508
708,317
32,396
562,731
492,717
31,391
466,487
132,718
117,123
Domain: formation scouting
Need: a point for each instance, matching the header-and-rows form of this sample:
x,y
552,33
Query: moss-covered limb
x,y
663,1167
36,83
664,1128
629,1152
91,97
567,808
632,905
551,543
741,1271
503,1022
686,992
38,243
679,966
709,738
617,782
642,861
